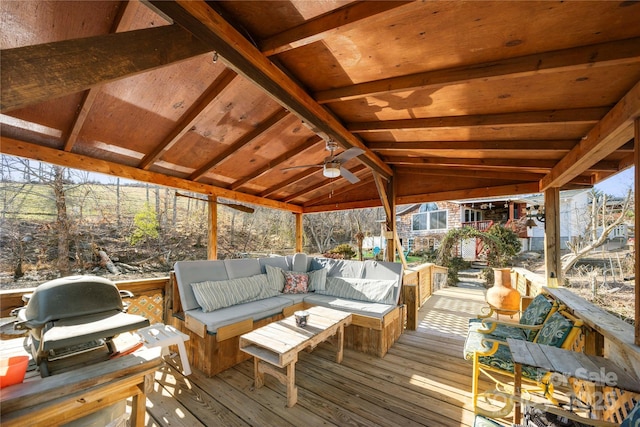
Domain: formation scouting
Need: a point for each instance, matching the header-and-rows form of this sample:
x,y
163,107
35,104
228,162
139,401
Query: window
x,y
429,218
472,215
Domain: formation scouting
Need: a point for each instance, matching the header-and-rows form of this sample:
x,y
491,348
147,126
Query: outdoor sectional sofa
x,y
219,300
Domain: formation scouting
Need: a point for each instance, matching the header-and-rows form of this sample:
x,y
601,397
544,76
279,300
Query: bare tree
x,y
601,221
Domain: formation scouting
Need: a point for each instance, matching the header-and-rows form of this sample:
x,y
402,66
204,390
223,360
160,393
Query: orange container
x,y
12,370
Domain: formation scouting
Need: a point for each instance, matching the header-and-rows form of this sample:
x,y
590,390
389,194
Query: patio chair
x,y
491,354
531,320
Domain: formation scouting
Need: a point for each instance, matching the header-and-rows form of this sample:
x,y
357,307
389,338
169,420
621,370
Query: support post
x,y
299,232
552,262
636,244
212,241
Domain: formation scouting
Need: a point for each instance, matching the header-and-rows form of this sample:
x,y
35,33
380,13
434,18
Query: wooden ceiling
x,y
448,100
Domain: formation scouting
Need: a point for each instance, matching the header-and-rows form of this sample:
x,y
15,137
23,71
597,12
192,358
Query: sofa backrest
x,y
275,261
384,270
243,267
188,272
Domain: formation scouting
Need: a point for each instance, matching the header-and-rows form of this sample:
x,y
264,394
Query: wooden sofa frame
x,y
214,353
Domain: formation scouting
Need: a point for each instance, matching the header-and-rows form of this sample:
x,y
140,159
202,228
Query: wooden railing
x,y
418,283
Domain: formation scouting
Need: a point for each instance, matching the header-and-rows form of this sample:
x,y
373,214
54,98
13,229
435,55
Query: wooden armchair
x,y
491,354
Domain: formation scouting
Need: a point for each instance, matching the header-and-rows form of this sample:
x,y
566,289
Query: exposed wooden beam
x,y
14,147
318,28
271,121
507,164
523,145
558,117
337,189
471,193
212,229
636,243
584,57
91,94
308,143
32,74
446,172
342,206
610,133
238,53
294,179
382,193
334,183
187,121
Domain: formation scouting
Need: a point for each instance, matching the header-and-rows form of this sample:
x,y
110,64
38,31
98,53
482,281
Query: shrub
x,y
146,226
345,250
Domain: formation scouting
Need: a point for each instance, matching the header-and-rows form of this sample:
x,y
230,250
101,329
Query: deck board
x,y
422,381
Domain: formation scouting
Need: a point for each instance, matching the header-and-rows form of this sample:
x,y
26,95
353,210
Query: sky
x,y
619,184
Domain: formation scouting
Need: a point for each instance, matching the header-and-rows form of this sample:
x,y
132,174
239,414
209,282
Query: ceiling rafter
x,y
524,145
429,170
91,94
33,74
533,164
322,26
308,143
338,188
612,132
501,190
270,122
293,180
575,116
238,52
14,147
187,121
328,182
597,55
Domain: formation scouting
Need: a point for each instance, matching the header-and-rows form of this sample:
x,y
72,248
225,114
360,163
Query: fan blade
x,y
237,207
349,154
302,167
346,174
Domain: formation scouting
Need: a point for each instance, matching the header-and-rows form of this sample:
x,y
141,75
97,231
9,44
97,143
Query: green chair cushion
x,y
554,331
535,314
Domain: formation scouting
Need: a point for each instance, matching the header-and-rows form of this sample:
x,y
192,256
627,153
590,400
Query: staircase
x,y
472,278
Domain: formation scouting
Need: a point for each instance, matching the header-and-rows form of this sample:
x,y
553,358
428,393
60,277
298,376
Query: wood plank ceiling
x,y
448,100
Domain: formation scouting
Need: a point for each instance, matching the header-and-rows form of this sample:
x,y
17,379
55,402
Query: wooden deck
x,y
422,381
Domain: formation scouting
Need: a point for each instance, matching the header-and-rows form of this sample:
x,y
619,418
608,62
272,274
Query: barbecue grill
x,y
74,315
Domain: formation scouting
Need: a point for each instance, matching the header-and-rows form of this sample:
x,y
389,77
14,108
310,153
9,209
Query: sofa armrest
x,y
195,326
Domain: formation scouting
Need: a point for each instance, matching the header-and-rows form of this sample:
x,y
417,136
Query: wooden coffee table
x,y
275,347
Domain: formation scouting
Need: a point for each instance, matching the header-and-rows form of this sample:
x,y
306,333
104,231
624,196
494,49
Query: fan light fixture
x,y
331,170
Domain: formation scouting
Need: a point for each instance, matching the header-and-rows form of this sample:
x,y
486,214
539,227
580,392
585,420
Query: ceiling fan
x,y
332,165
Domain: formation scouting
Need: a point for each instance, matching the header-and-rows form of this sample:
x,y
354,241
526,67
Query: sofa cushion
x,y
338,267
275,261
275,277
295,283
300,263
213,295
242,267
370,290
555,330
255,310
188,272
384,270
371,309
317,279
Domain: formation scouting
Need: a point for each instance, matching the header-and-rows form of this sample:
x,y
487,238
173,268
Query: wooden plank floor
x,y
422,381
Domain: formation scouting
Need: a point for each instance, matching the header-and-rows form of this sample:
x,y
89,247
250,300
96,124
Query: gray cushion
x,y
188,272
242,267
213,295
255,310
294,298
317,279
372,309
275,261
300,263
338,267
383,270
371,290
275,277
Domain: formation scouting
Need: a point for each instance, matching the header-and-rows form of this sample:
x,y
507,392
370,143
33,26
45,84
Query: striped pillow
x,y
225,293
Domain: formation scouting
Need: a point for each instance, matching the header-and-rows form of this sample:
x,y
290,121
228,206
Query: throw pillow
x,y
275,277
225,293
295,283
317,279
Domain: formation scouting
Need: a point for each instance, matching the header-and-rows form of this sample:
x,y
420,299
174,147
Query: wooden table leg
x,y
340,344
258,375
517,391
292,390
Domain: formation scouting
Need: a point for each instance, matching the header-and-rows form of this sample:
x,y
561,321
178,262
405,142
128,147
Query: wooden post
x,y
552,233
636,162
299,232
212,242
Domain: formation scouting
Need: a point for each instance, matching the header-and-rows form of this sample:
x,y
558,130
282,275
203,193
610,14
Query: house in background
x,y
421,227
